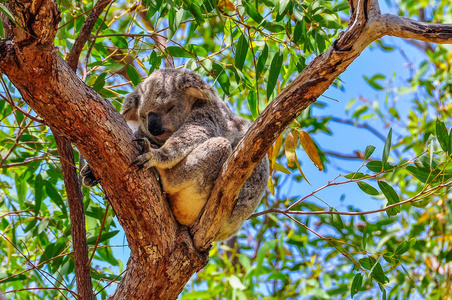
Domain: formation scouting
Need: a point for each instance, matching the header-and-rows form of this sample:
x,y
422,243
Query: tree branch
x,y
85,33
77,217
302,92
410,29
367,25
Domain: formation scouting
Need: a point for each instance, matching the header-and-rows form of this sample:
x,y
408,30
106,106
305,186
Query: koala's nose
x,y
155,124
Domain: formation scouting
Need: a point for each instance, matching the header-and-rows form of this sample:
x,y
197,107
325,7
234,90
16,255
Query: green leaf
x,y
252,12
133,75
241,51
443,137
38,193
341,6
222,77
367,188
336,219
394,113
377,166
368,152
421,203
118,40
370,263
387,147
196,11
282,6
174,19
252,102
356,284
275,70
420,174
103,237
197,50
273,27
373,81
262,60
176,51
357,175
298,31
8,14
53,194
404,247
2,31
391,196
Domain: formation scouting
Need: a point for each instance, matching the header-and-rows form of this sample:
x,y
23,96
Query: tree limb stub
x,y
367,25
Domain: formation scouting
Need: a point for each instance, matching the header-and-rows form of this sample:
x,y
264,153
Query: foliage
x,y
299,244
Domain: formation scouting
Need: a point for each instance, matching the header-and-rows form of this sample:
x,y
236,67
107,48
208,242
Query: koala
x,y
187,132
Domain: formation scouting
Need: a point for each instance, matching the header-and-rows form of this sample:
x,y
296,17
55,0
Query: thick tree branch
x,y
367,25
409,29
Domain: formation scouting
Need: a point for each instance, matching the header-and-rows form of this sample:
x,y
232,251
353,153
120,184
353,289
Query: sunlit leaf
x,y
290,145
310,148
387,147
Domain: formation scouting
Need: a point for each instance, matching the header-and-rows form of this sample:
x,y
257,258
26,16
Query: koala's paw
x,y
144,161
145,144
88,178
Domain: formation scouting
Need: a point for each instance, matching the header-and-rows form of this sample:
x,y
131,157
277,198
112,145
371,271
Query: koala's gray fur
x,y
194,132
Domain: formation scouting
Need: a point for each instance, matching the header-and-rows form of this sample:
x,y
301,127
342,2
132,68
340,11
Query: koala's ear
x,y
129,108
193,85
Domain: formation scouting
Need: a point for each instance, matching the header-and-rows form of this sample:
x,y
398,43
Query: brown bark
x,y
77,217
163,255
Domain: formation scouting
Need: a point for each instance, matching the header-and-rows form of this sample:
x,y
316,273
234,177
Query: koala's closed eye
x,y
170,109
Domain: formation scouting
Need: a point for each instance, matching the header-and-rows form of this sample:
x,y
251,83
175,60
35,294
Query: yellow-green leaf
x,y
311,150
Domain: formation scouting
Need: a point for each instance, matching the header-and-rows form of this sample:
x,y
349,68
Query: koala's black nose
x,y
155,125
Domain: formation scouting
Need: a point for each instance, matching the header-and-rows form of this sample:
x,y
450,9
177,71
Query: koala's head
x,y
162,103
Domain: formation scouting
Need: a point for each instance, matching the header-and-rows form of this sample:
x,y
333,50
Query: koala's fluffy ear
x,y
129,108
193,84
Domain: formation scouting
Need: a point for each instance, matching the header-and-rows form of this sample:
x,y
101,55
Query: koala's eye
x,y
170,109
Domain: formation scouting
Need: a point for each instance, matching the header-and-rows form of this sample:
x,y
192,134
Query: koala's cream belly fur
x,y
186,205
186,200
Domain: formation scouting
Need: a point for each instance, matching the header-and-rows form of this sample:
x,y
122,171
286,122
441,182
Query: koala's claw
x,y
142,161
145,144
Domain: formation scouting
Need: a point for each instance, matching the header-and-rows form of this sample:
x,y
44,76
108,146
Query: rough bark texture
x,y
163,254
77,217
